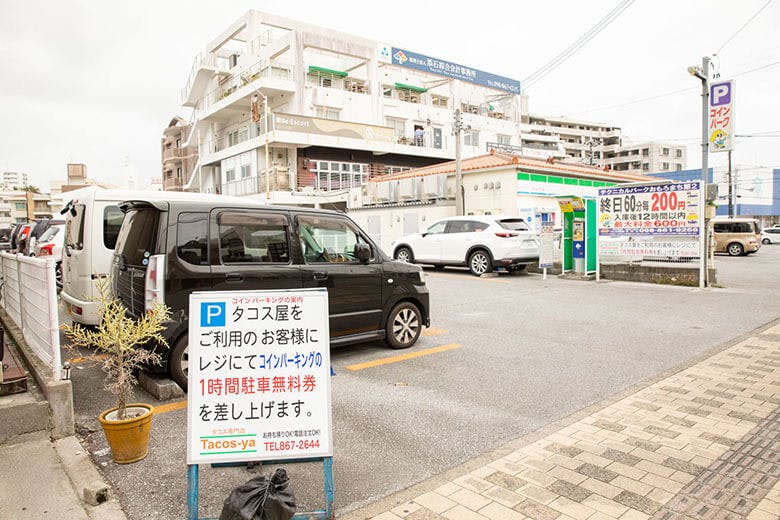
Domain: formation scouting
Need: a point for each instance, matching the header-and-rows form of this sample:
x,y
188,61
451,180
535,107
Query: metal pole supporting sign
x,y
259,384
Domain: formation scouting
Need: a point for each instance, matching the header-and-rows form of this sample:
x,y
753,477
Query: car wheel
x,y
735,249
480,262
404,325
766,241
179,361
404,254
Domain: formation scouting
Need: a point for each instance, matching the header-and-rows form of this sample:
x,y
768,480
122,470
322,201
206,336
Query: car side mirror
x,y
363,252
425,234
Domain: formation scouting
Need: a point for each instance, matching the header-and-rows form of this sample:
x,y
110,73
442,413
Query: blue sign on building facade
x,y
424,63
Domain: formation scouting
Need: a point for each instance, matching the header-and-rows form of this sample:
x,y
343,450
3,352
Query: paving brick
x,y
387,515
539,494
462,513
470,499
606,506
681,465
600,488
620,456
628,484
473,483
709,402
642,443
655,469
639,502
745,416
503,496
507,466
435,502
720,439
596,472
447,489
678,421
675,389
569,490
404,510
644,405
633,514
536,510
560,449
495,511
662,432
506,480
609,425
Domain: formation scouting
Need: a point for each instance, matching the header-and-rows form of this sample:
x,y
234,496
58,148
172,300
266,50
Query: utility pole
x,y
731,192
703,74
458,127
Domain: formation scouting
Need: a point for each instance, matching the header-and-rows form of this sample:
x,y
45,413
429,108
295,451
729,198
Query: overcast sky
x,y
96,82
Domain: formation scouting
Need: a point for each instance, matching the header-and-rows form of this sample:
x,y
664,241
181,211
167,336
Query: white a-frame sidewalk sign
x,y
259,383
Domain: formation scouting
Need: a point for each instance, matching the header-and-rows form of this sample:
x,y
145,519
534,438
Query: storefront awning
x,y
323,70
410,87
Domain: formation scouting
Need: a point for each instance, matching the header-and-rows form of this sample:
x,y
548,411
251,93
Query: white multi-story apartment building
x,y
13,180
649,157
581,141
340,108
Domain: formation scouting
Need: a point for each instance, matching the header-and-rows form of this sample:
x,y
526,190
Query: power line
x,y
577,44
743,26
665,94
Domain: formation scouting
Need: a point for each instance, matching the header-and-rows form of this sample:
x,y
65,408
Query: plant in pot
x,y
121,338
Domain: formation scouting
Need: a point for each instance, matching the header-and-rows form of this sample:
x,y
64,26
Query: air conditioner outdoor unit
x,y
431,186
382,191
406,189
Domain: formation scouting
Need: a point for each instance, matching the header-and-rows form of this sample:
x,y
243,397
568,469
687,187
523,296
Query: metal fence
x,y
29,297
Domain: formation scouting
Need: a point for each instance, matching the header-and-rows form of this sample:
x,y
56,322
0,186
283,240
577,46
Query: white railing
x,y
29,297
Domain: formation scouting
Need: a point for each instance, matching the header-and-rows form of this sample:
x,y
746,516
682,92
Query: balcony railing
x,y
260,70
204,60
172,153
504,148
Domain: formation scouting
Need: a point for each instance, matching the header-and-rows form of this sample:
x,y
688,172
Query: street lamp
x,y
246,78
703,74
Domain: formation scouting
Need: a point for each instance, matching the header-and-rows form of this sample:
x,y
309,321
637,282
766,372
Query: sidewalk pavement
x,y
49,480
703,443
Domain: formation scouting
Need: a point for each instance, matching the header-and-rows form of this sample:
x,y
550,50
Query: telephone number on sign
x,y
307,444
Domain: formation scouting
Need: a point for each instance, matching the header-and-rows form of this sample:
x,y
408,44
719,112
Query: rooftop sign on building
x,y
448,69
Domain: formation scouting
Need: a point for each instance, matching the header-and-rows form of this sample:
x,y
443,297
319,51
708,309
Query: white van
x,y
92,222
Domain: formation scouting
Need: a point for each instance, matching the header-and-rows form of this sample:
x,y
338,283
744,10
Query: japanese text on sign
x,y
259,376
721,116
669,209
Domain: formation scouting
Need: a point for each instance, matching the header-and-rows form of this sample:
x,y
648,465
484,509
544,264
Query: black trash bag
x,y
261,499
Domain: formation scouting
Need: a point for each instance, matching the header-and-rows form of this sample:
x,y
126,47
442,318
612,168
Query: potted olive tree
x,y
121,338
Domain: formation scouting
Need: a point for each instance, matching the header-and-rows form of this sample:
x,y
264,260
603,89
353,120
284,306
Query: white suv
x,y
479,242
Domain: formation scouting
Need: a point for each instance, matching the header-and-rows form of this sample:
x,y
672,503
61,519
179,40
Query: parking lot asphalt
x,y
506,356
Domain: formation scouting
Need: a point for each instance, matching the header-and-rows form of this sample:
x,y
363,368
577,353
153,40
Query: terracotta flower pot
x,y
128,438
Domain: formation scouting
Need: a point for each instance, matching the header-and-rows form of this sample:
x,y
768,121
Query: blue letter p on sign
x,y
212,314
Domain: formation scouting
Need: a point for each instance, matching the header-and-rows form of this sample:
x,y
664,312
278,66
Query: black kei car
x,y
224,244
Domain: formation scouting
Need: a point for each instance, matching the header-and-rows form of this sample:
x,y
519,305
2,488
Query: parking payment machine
x,y
579,234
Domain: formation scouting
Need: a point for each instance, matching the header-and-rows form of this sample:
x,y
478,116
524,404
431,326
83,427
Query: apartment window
x,y
398,126
469,109
323,79
246,170
678,153
230,175
439,101
665,151
664,166
337,176
233,138
645,167
410,96
178,143
387,91
328,113
396,169
178,173
678,167
355,85
471,137
645,152
20,206
504,139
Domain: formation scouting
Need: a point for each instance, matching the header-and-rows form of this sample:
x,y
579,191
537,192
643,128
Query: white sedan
x,y
481,243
